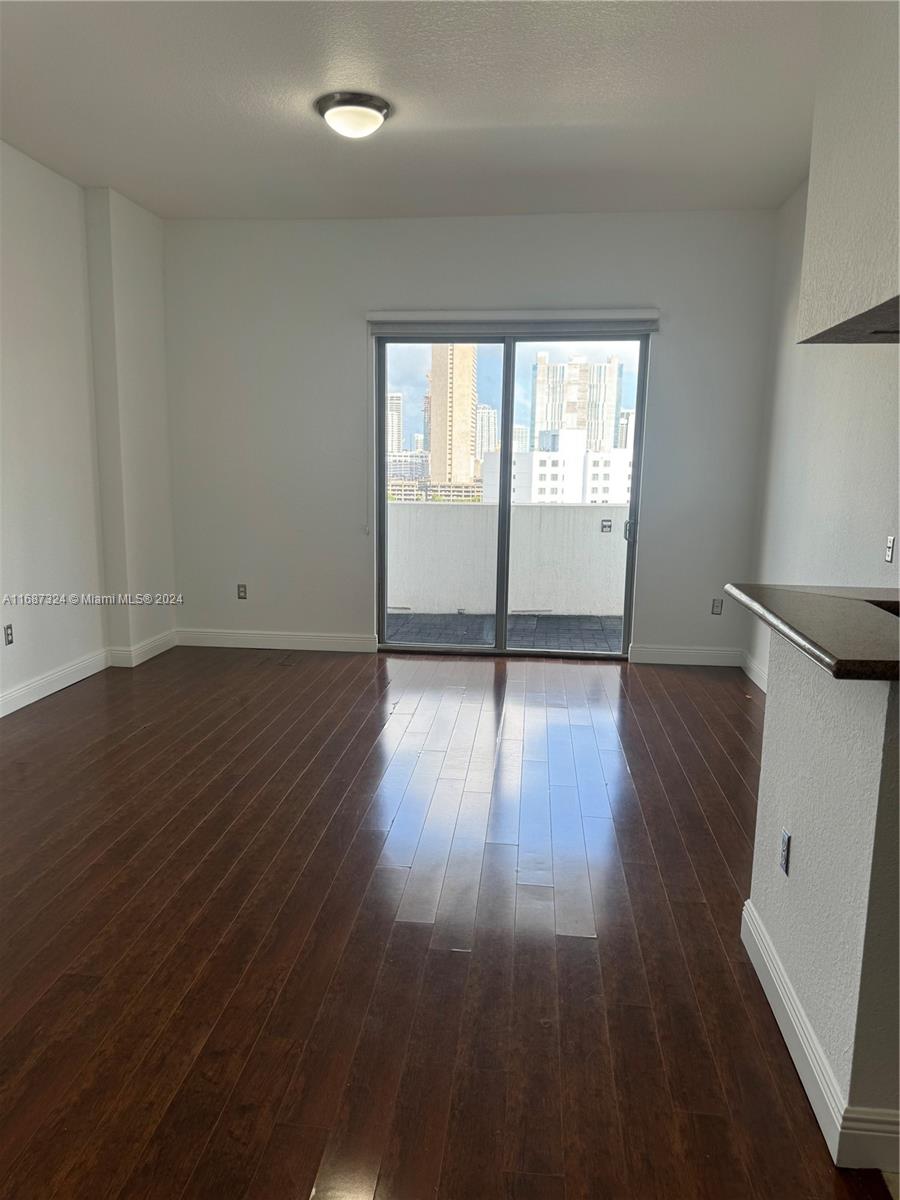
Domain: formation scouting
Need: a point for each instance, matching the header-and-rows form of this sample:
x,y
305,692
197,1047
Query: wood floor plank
x,y
454,923
313,1095
654,1161
480,772
573,903
624,980
462,741
535,840
687,1056
592,1137
503,824
560,758
631,830
287,1170
357,1144
395,782
474,1153
710,1141
535,1187
429,864
534,734
592,793
484,1040
411,1166
406,828
533,1097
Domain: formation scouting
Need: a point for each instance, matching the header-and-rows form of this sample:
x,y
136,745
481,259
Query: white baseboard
x,y
357,643
856,1136
133,656
754,670
52,681
689,656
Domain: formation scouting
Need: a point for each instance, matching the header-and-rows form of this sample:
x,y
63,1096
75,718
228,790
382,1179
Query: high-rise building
x,y
576,395
418,441
521,439
486,440
604,404
394,429
625,440
450,412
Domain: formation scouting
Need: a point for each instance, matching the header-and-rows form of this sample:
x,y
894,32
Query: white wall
x,y
850,255
86,489
125,248
443,557
829,492
50,530
271,419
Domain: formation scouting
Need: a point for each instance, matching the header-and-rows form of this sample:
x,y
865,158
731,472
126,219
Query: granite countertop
x,y
853,633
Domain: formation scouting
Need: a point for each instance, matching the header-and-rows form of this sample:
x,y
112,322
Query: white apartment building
x,y
408,464
394,431
521,438
570,474
486,438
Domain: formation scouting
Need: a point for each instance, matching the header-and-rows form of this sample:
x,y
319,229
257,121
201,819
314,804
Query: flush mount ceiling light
x,y
353,114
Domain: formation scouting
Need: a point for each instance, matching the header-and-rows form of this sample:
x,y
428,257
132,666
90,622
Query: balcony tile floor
x,y
527,631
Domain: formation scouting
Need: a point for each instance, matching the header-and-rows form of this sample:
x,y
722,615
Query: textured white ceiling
x,y
204,109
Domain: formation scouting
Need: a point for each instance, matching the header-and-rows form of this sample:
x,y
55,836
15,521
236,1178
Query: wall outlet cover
x,y
785,851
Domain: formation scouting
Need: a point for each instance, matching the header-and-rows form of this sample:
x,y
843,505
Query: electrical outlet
x,y
785,852
717,607
889,550
242,591
7,635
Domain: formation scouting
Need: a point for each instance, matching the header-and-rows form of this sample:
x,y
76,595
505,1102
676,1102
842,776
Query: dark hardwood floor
x,y
284,923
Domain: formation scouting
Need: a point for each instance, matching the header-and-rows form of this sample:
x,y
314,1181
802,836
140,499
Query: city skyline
x,y
408,364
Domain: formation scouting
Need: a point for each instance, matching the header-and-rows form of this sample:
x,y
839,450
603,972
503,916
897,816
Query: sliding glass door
x,y
508,486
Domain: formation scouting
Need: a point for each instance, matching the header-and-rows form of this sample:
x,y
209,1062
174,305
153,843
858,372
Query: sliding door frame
x,y
508,334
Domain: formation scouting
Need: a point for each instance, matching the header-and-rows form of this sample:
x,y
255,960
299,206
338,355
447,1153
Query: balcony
x,y
566,580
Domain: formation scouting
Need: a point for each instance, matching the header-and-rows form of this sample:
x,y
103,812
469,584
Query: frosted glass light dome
x,y
353,114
